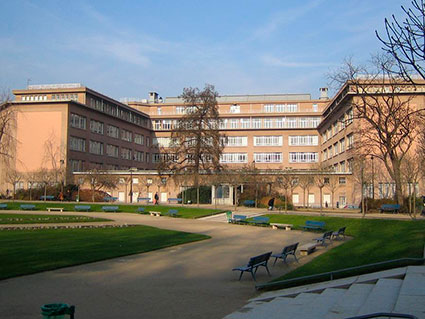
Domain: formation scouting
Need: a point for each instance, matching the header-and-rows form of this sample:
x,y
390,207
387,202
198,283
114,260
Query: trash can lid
x,y
54,309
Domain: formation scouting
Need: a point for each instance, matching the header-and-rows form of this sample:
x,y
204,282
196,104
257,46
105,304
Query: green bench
x,y
311,224
82,208
27,206
3,206
141,210
110,209
253,264
47,197
392,208
260,220
286,251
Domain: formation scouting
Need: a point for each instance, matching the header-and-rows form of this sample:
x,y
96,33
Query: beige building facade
x,y
74,129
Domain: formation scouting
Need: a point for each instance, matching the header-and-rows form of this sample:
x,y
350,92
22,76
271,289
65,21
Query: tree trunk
x,y
321,201
45,191
197,195
286,200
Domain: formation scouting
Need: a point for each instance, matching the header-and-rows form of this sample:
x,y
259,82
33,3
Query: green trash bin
x,y
57,311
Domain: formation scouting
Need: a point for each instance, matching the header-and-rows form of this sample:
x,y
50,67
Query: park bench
x,y
27,206
322,240
277,225
140,199
3,206
172,212
260,220
55,209
113,209
392,208
286,251
253,264
157,214
176,200
249,203
47,197
311,224
351,206
339,232
307,249
81,208
239,219
140,210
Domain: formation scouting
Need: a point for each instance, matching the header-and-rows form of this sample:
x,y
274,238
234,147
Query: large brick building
x,y
274,132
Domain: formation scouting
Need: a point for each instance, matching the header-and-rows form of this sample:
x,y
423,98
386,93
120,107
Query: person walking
x,y
156,198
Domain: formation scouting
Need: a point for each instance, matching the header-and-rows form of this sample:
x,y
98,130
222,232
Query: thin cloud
x,y
283,18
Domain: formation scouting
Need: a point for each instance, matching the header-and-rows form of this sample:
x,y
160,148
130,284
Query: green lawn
x,y
374,241
25,252
45,219
184,211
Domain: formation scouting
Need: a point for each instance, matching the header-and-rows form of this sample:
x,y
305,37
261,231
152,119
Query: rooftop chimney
x,y
323,93
153,97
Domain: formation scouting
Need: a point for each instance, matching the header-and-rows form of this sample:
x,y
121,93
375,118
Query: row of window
x,y
80,122
345,120
338,147
250,123
272,157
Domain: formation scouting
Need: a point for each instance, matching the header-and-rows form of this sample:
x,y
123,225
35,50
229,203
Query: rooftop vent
x,y
153,97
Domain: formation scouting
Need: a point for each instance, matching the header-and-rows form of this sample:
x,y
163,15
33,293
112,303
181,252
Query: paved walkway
x,y
187,281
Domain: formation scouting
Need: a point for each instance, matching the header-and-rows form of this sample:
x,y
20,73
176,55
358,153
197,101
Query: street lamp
x,y
373,179
132,169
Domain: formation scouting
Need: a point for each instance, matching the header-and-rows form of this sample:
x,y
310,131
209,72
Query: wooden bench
x,y
27,206
285,226
82,208
176,200
260,220
307,249
322,240
286,251
249,203
339,232
392,208
172,212
157,214
253,264
55,209
47,197
311,224
3,206
112,209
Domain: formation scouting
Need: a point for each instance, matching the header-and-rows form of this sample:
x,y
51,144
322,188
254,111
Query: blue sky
x,y
128,48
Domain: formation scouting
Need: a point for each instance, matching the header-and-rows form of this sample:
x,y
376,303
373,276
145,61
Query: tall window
x,y
233,141
78,121
126,135
77,144
113,131
96,127
139,139
96,147
139,156
234,123
125,153
112,150
246,123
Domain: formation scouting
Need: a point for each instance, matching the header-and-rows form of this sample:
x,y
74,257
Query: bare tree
x,y
404,41
411,169
7,115
32,178
46,177
305,181
99,179
288,181
333,186
320,182
387,119
14,178
54,154
196,143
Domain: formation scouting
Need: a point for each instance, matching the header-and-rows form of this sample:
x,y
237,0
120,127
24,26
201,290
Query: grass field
x,y
25,252
374,241
184,211
45,219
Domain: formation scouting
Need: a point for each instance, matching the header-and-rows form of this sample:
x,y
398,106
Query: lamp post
x,y
373,178
133,169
